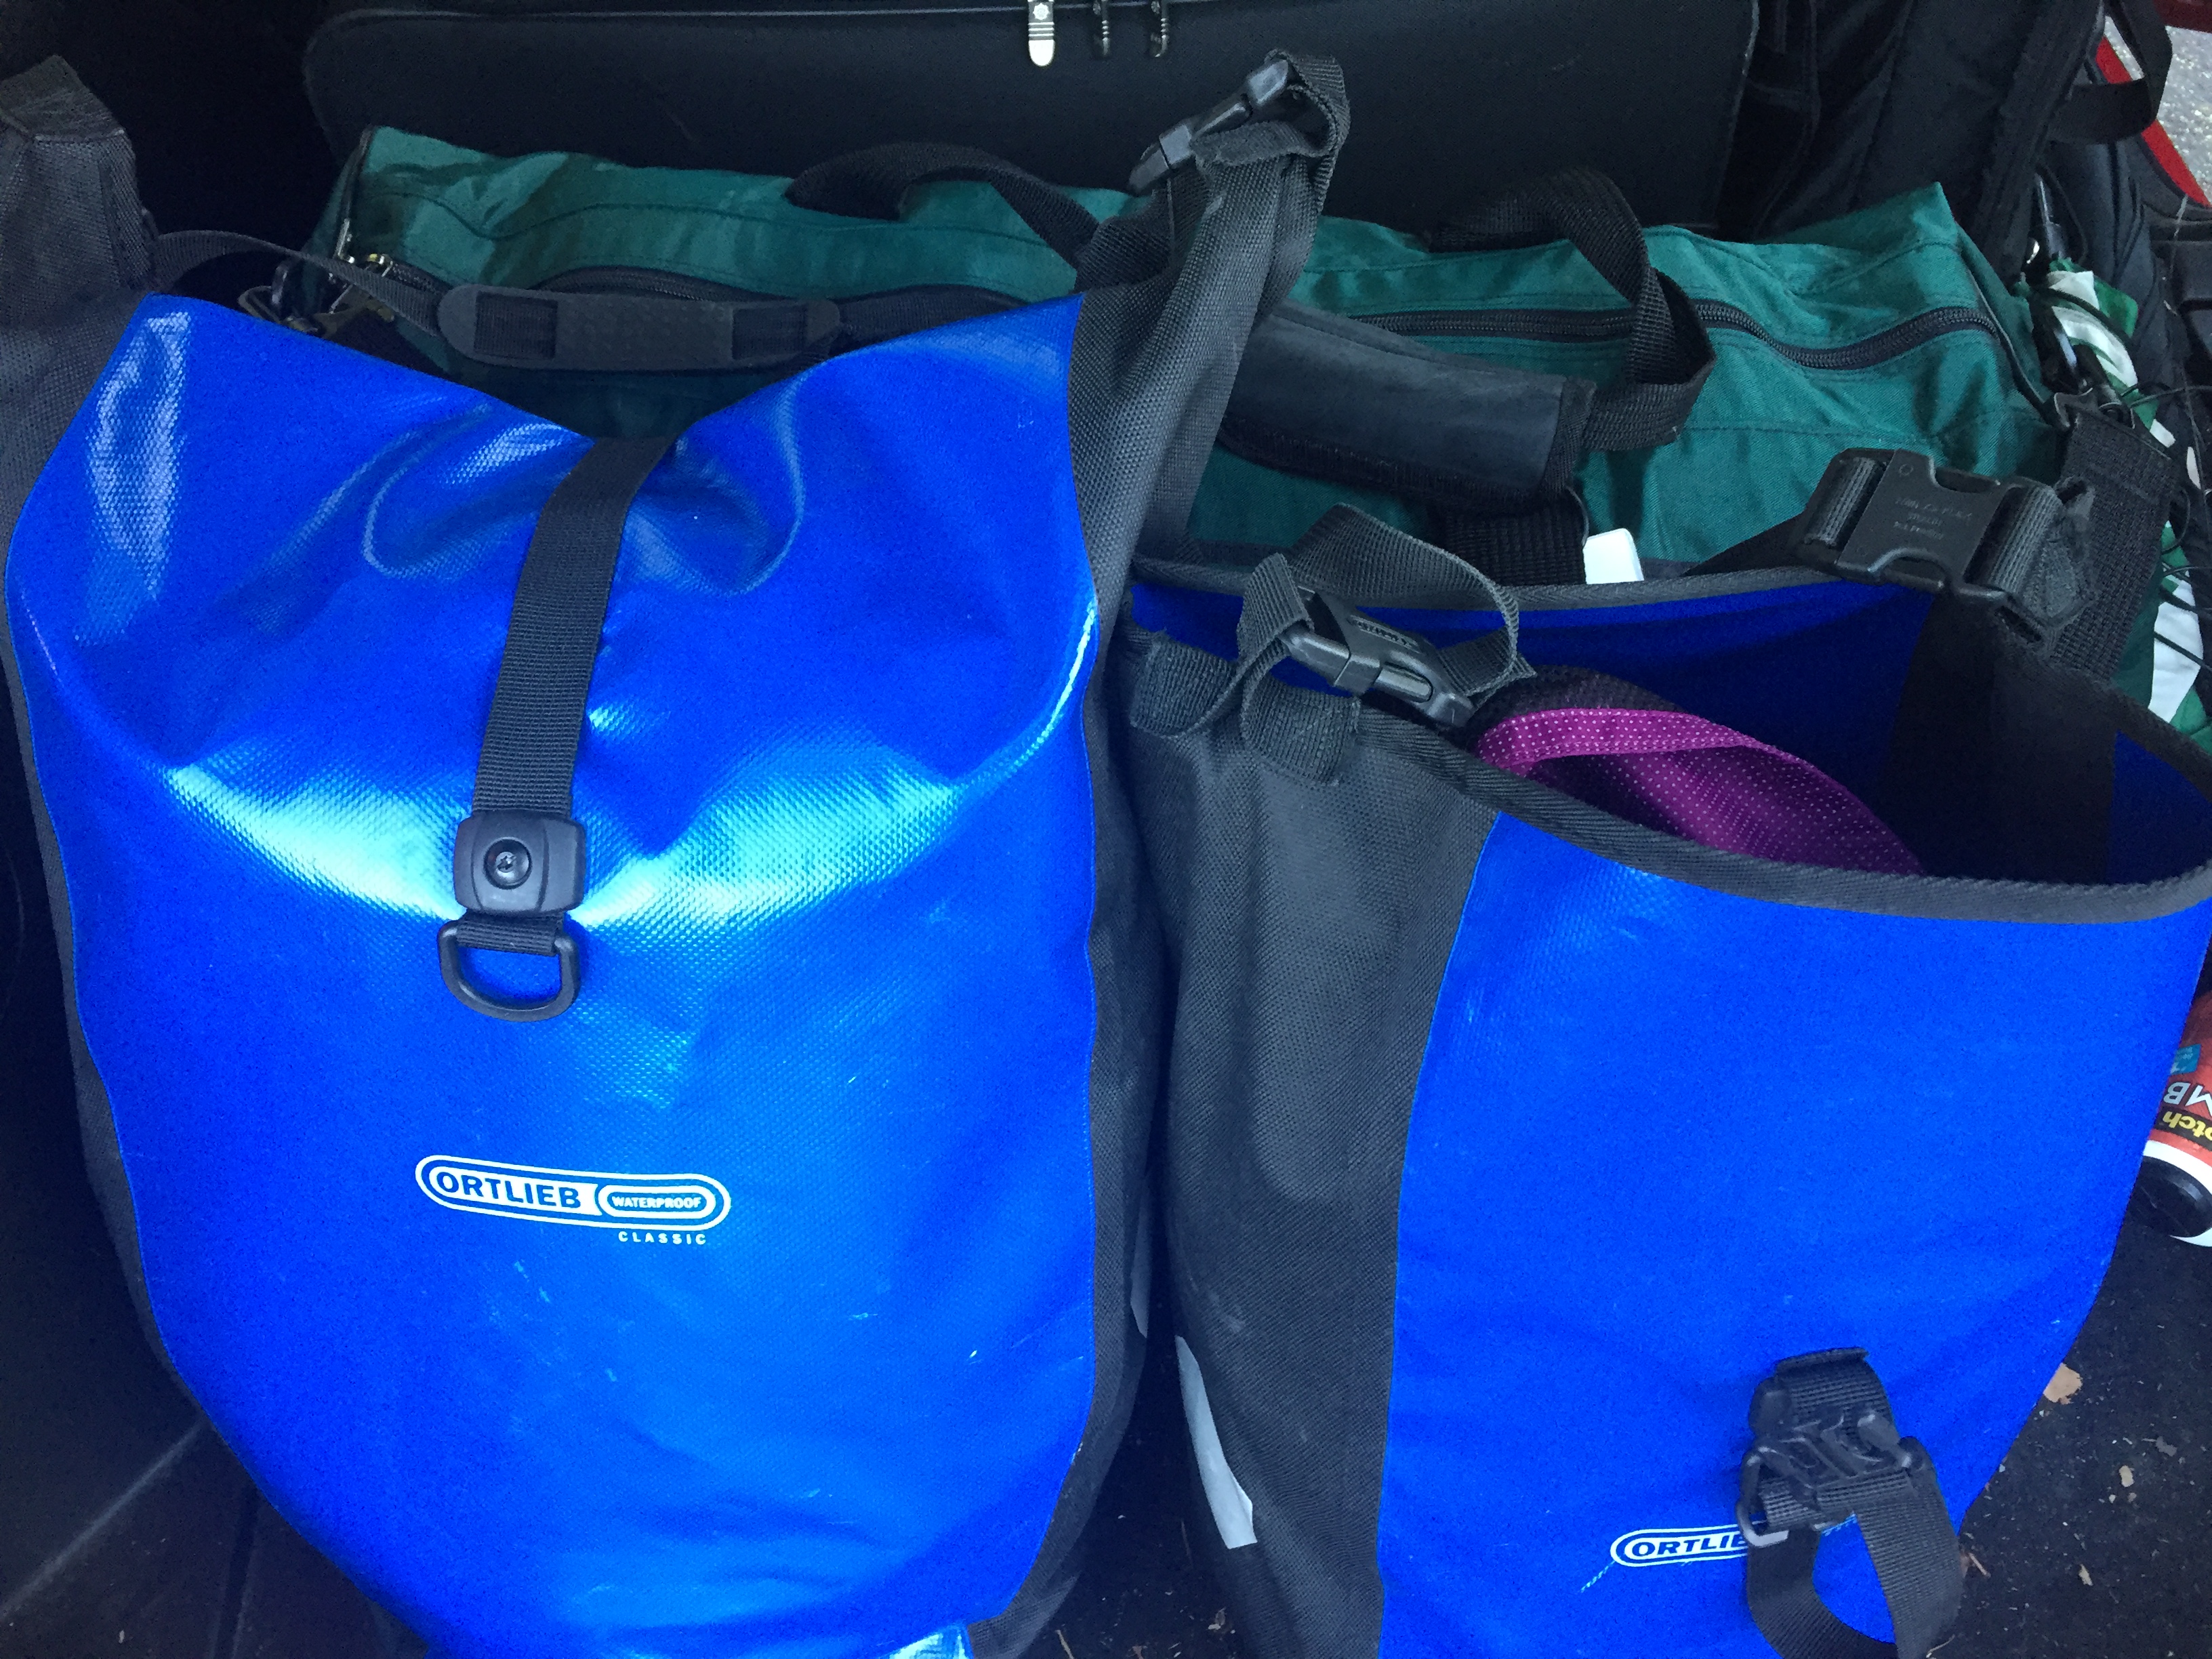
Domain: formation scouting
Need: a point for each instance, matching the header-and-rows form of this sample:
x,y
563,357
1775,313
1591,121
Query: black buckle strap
x,y
1271,92
1825,1448
1894,516
519,856
1357,655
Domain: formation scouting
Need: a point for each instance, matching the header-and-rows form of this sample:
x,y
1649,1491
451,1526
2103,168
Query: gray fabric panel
x,y
75,253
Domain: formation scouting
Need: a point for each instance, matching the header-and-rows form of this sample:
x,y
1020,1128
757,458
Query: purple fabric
x,y
1676,772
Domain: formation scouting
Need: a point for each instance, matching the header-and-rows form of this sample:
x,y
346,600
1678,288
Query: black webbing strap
x,y
871,184
1305,606
2104,115
519,856
1824,1449
416,300
1999,766
2131,483
550,329
1541,548
1669,354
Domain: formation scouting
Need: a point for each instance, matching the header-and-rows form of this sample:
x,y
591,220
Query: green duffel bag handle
x,y
1487,451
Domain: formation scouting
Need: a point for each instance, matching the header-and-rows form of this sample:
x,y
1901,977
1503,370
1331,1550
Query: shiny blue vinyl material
x,y
1511,1144
1704,1132
837,942
777,1296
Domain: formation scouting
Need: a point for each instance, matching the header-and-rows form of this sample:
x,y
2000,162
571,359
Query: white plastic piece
x,y
2173,666
1610,557
1232,1509
1041,33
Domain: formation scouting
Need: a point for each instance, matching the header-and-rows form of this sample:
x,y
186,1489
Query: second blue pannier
x,y
1571,1224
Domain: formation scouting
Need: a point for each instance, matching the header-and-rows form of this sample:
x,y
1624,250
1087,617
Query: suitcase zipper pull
x,y
1041,32
1157,46
1102,29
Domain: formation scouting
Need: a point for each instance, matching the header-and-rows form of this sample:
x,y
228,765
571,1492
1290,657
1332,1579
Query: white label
x,y
1668,1546
575,1198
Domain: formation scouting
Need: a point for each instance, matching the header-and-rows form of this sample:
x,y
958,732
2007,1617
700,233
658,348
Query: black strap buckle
x,y
1822,1452
1269,92
1358,654
1894,516
510,867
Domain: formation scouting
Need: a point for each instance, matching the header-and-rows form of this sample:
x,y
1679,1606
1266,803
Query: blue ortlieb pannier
x,y
720,1238
1517,1153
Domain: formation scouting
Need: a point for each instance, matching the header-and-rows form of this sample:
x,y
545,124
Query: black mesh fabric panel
x,y
1310,858
1157,347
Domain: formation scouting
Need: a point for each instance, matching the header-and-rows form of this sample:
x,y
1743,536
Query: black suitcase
x,y
1454,97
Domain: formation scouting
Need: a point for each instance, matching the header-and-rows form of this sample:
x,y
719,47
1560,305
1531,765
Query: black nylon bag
x,y
1851,102
1454,99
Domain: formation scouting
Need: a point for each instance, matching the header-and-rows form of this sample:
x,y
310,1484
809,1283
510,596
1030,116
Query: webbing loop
x,y
519,856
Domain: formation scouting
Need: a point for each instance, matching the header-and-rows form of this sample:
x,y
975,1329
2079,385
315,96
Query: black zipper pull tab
x,y
1157,44
1102,29
1041,33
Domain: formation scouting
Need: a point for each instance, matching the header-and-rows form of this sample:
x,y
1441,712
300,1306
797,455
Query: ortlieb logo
x,y
577,1198
1662,1546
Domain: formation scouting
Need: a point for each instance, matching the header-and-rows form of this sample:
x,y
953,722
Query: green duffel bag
x,y
1884,330
1711,405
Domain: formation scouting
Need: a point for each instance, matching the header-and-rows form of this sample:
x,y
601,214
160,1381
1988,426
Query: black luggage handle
x,y
873,183
1669,354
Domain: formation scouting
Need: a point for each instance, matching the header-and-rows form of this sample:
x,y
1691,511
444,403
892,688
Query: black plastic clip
x,y
1893,515
510,865
270,304
1358,654
1822,1456
1270,92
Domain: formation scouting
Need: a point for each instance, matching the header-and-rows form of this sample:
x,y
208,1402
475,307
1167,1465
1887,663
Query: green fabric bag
x,y
1884,330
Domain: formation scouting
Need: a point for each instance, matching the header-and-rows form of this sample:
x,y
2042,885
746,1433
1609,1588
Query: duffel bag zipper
x,y
1041,24
1573,328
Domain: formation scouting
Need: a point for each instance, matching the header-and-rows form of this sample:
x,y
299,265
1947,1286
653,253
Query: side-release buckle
x,y
1894,516
1358,654
1270,92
